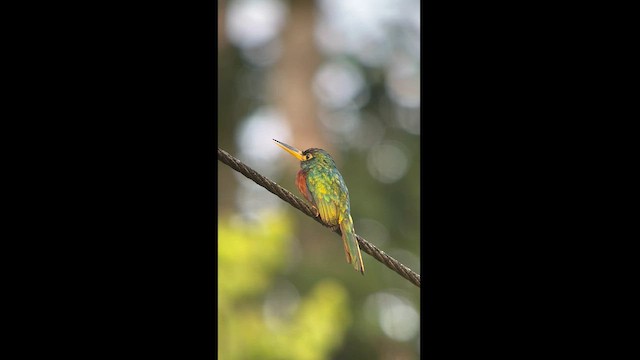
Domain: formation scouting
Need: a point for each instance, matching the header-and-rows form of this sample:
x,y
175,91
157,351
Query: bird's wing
x,y
329,196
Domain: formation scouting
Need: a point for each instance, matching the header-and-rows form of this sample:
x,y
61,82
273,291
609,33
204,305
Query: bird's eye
x,y
308,156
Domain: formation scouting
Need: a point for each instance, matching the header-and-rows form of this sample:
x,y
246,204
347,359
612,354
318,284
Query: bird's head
x,y
309,157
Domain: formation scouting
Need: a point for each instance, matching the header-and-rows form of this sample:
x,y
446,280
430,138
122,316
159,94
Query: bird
x,y
320,182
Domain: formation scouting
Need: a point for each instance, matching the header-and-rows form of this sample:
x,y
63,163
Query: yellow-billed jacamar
x,y
322,185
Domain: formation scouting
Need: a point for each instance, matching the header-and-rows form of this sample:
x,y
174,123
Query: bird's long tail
x,y
351,247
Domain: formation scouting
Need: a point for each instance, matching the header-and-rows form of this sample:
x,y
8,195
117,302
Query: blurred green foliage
x,y
250,255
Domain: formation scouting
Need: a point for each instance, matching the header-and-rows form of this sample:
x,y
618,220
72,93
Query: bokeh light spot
x,y
403,81
255,139
373,231
395,315
337,84
280,304
388,162
253,23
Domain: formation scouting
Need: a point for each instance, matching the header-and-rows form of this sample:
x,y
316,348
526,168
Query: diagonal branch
x,y
301,205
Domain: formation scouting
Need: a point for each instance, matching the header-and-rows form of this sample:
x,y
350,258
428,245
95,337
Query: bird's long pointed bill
x,y
290,149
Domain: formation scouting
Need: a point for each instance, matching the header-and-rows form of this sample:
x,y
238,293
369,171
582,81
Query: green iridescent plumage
x,y
322,185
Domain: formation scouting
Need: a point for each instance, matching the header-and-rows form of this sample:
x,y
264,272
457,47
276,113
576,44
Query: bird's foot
x,y
316,213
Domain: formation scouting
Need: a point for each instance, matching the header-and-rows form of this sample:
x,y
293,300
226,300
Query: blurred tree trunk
x,y
292,77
